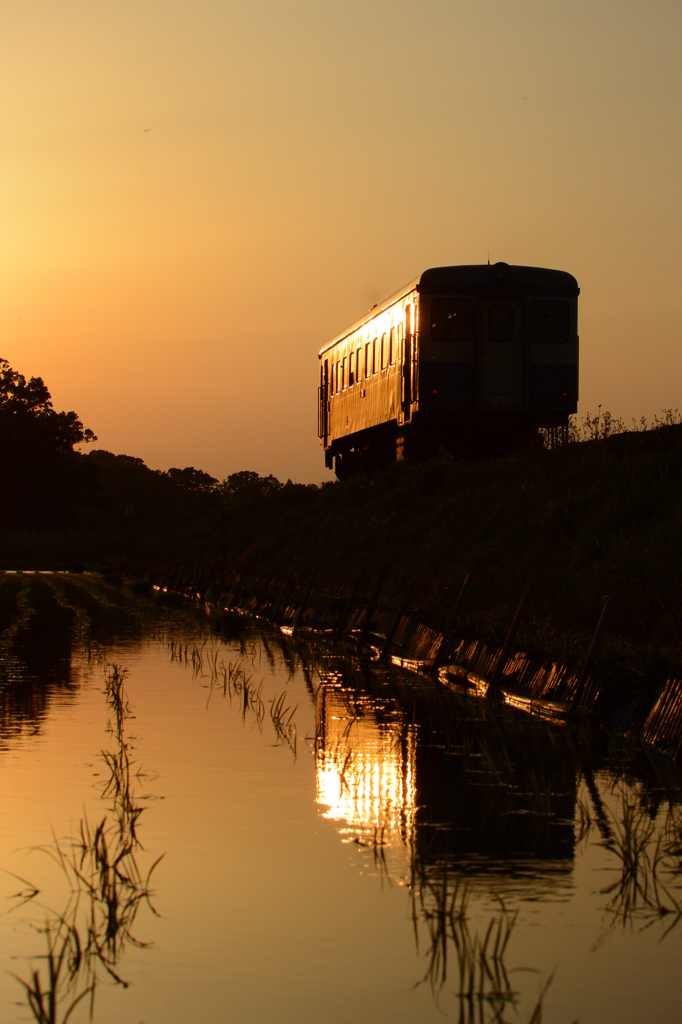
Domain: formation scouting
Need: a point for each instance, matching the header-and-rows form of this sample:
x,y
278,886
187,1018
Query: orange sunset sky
x,y
195,196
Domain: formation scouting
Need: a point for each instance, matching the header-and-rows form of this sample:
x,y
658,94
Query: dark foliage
x,y
192,479
46,484
41,473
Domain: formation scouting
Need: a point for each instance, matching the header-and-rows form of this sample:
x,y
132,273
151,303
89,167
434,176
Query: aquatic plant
x,y
482,975
106,883
68,981
282,717
647,869
116,698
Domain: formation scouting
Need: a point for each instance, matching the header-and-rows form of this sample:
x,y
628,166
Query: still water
x,y
286,834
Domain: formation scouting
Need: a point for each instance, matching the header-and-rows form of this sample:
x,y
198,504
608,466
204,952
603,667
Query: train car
x,y
471,359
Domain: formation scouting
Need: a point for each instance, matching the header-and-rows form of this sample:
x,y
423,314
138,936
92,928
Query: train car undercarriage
x,y
465,436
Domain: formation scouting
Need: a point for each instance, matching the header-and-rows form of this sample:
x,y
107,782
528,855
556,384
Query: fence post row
x,y
198,581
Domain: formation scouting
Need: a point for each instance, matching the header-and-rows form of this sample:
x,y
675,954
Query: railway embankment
x,y
590,519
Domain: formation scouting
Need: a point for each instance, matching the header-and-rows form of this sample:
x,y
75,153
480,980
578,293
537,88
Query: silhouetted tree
x,y
192,479
39,470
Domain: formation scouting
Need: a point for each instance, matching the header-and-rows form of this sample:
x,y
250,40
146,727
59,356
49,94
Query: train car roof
x,y
374,311
474,279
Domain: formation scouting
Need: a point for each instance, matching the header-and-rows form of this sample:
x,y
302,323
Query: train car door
x,y
501,355
407,364
324,404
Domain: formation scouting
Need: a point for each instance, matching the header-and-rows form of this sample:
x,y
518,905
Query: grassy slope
x,y
594,518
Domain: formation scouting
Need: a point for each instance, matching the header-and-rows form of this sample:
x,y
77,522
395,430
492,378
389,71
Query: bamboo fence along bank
x,y
553,691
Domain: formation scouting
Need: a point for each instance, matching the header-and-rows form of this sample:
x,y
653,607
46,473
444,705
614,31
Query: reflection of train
x,y
478,796
472,358
364,768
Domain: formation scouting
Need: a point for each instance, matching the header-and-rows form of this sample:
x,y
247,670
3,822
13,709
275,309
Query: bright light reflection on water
x,y
287,797
365,771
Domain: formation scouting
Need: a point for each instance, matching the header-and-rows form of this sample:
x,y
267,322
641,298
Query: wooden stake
x,y
607,608
282,597
304,602
347,606
262,595
444,648
397,620
506,647
232,603
369,611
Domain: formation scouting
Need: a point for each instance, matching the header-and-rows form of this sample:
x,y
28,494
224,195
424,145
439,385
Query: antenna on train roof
x,y
488,257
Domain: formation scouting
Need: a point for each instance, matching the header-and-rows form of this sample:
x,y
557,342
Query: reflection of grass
x,y
116,698
106,884
632,832
480,962
235,682
232,678
102,866
484,991
283,721
55,998
239,683
647,862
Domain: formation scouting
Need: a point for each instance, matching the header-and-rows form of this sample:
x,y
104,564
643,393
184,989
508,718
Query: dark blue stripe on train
x,y
553,388
450,387
447,387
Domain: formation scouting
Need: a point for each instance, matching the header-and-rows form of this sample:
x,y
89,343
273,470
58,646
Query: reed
x,y
54,998
484,990
282,717
116,698
647,865
482,974
232,679
105,881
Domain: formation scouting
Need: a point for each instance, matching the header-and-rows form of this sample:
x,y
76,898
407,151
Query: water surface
x,y
336,841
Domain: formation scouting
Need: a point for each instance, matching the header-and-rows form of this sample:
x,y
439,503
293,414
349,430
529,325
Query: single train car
x,y
472,359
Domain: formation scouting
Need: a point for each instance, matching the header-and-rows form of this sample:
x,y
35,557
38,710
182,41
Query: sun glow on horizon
x,y
198,197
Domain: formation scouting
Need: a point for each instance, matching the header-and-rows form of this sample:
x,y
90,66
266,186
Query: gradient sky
x,y
194,197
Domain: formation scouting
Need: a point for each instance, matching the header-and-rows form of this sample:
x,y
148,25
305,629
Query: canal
x,y
211,826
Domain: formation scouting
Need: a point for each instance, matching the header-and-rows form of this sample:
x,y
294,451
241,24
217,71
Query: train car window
x,y
501,323
351,369
358,360
391,347
452,320
343,374
548,321
367,360
374,356
384,350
